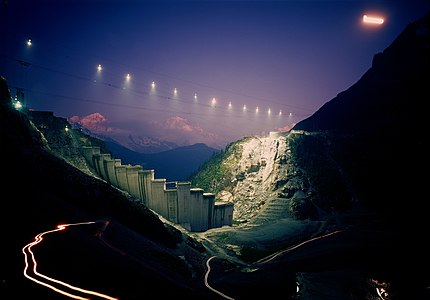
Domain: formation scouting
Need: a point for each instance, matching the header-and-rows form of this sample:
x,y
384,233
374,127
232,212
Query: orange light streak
x,y
373,20
38,239
271,257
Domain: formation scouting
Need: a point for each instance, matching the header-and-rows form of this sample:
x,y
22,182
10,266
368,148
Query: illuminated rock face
x,y
255,166
191,208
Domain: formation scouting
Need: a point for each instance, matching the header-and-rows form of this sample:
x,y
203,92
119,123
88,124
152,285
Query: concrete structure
x,y
223,214
191,208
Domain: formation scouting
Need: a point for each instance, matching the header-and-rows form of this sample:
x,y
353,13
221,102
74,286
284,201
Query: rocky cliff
x,y
363,149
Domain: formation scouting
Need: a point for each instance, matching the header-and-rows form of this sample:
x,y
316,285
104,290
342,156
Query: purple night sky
x,y
289,56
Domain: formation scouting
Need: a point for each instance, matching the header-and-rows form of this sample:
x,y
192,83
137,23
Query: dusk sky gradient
x,y
289,56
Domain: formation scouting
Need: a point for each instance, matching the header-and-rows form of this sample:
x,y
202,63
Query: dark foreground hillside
x,y
134,255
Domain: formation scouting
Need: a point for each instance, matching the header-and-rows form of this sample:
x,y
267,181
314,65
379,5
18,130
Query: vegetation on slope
x,y
215,174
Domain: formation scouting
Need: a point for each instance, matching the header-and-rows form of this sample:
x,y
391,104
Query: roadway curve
x,y
207,283
31,273
264,260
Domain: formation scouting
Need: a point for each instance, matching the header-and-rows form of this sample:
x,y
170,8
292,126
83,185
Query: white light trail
x,y
207,283
38,239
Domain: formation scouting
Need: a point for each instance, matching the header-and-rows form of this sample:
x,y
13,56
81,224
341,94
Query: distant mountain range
x,y
169,160
141,144
175,165
146,144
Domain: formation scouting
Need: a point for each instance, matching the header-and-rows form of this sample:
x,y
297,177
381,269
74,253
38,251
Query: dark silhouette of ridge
x,y
390,98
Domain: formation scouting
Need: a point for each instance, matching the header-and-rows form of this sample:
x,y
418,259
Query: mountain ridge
x,y
390,97
175,164
141,144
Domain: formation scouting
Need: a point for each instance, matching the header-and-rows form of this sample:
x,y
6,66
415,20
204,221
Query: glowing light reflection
x,y
373,20
18,105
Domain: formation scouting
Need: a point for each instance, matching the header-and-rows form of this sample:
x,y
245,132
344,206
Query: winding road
x,y
31,273
207,283
264,260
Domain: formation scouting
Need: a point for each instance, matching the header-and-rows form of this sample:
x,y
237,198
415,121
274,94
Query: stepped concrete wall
x,y
145,179
121,176
158,202
198,220
183,190
133,180
209,202
191,208
223,214
172,204
110,165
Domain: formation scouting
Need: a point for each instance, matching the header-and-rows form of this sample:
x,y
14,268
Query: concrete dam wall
x,y
191,208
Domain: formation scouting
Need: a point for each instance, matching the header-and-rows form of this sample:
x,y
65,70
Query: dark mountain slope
x,y
390,98
377,130
41,190
359,164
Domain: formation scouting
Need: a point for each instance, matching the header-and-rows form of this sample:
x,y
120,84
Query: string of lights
x,y
153,90
175,92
